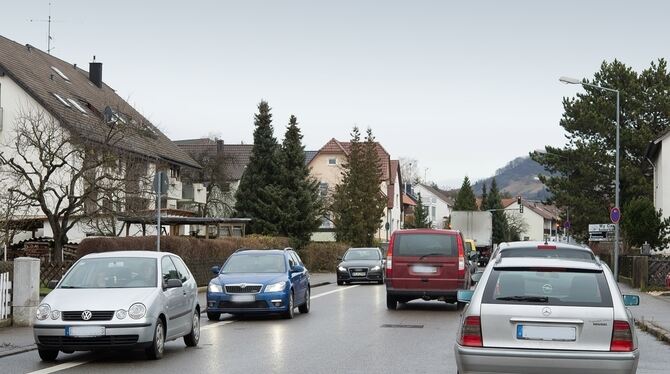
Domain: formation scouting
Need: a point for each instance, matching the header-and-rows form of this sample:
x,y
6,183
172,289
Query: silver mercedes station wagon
x,y
546,315
119,300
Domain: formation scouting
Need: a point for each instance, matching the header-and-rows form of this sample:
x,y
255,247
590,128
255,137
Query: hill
x,y
518,178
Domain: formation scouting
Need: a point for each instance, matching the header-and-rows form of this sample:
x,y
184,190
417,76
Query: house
x,y
326,167
658,153
540,220
436,202
80,102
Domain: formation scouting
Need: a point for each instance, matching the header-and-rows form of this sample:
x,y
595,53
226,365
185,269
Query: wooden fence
x,y
5,296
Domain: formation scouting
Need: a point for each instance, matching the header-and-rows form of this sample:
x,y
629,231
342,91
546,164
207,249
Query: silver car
x,y
119,300
546,315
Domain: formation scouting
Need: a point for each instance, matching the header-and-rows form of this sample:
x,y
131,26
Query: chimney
x,y
95,73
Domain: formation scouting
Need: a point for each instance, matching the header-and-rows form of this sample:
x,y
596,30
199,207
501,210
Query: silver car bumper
x,y
130,335
526,361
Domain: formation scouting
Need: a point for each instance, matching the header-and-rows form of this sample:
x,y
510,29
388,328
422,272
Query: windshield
x,y
425,245
112,272
548,253
255,263
361,254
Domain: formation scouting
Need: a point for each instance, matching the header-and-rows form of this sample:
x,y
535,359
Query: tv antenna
x,y
48,21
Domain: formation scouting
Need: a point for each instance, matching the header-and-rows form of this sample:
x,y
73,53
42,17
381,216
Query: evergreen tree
x,y
300,202
358,204
465,200
421,214
483,204
642,223
259,192
500,226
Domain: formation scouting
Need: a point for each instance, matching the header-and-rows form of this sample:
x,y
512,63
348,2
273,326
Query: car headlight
x,y
55,314
43,312
275,287
341,268
121,314
213,287
375,268
137,311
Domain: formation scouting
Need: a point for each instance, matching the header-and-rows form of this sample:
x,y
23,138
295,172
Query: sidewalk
x,y
653,313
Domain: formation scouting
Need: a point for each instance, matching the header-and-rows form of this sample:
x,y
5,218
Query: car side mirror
x,y
631,300
477,276
173,283
473,256
216,270
297,269
464,296
52,284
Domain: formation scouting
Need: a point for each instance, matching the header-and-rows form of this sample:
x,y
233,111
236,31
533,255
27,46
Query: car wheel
x,y
391,302
48,355
304,308
460,305
213,316
339,283
291,306
155,350
192,339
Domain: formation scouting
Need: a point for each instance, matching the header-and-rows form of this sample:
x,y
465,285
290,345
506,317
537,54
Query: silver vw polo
x,y
126,299
546,315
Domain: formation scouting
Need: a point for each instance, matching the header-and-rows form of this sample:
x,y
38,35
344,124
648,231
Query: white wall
x,y
535,222
431,200
662,178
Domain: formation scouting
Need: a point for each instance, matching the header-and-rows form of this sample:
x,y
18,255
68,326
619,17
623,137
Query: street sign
x,y
161,177
600,227
615,215
601,232
566,224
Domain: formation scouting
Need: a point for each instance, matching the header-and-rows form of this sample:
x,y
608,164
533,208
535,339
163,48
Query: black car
x,y
361,264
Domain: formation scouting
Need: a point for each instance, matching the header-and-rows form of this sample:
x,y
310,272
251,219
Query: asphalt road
x,y
349,330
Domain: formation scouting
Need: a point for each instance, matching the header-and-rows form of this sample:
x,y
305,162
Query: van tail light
x,y
389,258
622,337
471,332
461,257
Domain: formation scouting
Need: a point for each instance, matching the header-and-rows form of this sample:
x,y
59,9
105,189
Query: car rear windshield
x,y
425,244
255,263
547,286
361,254
112,272
548,253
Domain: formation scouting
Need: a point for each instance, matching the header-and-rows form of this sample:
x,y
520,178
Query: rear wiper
x,y
536,299
430,254
69,287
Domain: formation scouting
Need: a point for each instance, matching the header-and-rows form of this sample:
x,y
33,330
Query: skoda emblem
x,y
546,311
86,315
243,285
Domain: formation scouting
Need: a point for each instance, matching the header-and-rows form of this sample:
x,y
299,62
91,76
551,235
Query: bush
x,y
322,256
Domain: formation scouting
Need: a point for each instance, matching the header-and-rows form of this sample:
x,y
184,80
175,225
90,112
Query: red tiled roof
x,y
335,146
407,200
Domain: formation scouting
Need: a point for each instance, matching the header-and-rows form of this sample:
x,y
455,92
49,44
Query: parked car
x,y
119,300
361,264
259,282
545,249
426,264
530,315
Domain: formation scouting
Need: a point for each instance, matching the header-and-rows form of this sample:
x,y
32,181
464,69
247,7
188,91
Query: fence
x,y
51,270
5,296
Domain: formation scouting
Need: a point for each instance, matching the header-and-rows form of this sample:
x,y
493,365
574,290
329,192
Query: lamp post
x,y
616,181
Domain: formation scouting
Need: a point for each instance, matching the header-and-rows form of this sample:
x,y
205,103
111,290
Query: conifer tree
x,y
500,226
465,200
421,214
484,201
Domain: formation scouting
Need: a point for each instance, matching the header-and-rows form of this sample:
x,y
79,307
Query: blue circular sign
x,y
566,224
615,215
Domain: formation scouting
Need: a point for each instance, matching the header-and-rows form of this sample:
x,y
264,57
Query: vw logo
x,y
86,315
243,285
547,288
546,311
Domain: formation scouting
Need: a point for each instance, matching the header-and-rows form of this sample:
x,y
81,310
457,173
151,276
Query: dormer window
x,y
60,73
332,161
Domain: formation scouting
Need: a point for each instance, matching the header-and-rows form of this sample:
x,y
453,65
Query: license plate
x,y
83,331
549,333
243,298
424,269
358,273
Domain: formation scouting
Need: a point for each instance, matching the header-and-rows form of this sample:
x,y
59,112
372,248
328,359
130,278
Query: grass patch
x,y
653,288
44,291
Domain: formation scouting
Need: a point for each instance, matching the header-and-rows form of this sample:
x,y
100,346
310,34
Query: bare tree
x,y
409,169
215,178
516,225
64,172
13,208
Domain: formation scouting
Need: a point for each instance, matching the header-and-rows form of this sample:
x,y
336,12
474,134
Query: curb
x,y
655,330
16,351
319,284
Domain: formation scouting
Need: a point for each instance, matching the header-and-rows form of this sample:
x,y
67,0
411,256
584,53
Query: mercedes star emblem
x,y
547,288
243,285
546,311
86,315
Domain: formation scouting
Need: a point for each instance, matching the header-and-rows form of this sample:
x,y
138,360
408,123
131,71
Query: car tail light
x,y
546,246
461,257
471,332
622,337
389,258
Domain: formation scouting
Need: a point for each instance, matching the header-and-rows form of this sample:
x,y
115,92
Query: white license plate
x,y
424,269
243,298
83,331
358,273
550,333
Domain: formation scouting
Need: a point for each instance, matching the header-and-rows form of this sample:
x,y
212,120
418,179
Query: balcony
x,y
195,192
174,189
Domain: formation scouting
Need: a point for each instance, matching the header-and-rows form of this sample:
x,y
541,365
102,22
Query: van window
x,y
425,244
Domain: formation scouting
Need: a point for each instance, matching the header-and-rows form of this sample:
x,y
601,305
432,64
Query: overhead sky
x,y
462,87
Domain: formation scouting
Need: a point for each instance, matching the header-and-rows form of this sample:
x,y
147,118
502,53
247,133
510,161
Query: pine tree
x,y
421,214
483,205
358,204
300,202
500,226
259,192
465,200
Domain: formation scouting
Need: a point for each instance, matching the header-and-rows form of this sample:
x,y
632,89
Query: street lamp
x,y
568,80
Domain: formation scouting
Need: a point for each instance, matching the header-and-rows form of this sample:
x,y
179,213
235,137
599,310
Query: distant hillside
x,y
518,177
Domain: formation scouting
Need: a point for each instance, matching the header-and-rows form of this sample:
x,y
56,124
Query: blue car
x,y
266,281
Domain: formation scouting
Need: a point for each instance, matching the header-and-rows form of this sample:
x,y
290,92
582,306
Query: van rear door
x,y
425,261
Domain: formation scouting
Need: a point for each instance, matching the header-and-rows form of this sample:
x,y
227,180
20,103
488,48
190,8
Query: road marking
x,y
333,291
213,325
60,367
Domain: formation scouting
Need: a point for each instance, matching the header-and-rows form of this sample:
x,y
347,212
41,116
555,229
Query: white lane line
x,y
60,367
333,291
213,325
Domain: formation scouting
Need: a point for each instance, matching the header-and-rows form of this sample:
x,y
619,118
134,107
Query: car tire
x,y
460,305
290,312
391,302
193,337
304,308
156,349
48,355
213,316
339,282
381,281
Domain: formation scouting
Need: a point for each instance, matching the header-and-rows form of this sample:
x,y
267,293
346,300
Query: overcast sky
x,y
463,87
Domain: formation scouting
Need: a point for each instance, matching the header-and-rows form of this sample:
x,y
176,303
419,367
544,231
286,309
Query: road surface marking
x,y
333,291
60,367
215,324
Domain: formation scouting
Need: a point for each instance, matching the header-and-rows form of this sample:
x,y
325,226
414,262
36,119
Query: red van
x,y
425,264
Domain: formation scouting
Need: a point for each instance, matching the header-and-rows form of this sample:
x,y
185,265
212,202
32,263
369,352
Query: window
x,y
63,101
332,161
181,268
432,212
174,172
169,271
60,73
323,189
77,105
423,244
